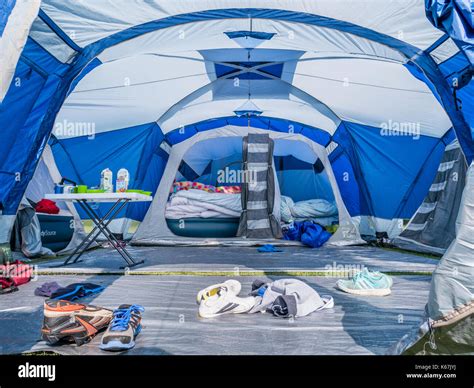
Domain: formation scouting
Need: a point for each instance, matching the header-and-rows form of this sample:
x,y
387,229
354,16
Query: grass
x,y
229,273
134,225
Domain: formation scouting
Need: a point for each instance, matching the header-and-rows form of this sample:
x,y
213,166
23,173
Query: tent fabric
x,y
432,227
391,84
330,68
452,287
262,122
346,43
447,325
97,21
410,52
16,17
373,151
456,18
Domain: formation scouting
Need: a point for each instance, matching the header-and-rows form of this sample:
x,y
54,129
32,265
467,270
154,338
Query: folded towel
x,y
47,289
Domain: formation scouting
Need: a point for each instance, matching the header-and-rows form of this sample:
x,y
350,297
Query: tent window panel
x,y
303,181
205,197
305,189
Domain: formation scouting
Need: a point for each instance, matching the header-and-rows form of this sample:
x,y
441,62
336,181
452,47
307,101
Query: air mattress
x,y
204,227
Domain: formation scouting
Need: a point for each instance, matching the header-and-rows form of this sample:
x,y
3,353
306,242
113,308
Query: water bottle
x,y
106,180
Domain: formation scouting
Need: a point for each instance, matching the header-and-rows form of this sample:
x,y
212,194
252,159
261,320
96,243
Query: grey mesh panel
x,y
432,228
257,219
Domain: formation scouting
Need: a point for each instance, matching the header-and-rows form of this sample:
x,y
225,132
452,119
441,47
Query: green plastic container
x,y
82,189
138,191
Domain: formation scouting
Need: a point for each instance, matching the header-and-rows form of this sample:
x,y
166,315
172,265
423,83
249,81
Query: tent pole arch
x,y
266,121
297,92
90,52
347,232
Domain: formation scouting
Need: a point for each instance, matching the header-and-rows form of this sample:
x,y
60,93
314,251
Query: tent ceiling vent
x,y
249,39
248,109
250,34
249,70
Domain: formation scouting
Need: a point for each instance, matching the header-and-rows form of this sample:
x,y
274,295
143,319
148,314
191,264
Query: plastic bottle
x,y
123,178
106,180
6,256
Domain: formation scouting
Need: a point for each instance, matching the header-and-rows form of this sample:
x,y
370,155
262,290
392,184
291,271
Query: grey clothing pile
x,y
287,298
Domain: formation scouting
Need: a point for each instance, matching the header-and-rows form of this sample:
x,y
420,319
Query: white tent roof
x,y
181,90
88,21
169,75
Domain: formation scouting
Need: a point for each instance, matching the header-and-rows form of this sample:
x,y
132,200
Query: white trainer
x,y
232,285
222,300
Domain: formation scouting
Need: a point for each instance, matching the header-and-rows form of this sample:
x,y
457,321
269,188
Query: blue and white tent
x,y
372,90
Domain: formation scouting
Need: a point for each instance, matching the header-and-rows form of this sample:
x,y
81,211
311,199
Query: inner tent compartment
x,y
203,178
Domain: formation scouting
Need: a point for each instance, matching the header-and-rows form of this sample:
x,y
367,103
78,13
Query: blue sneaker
x,y
124,327
367,283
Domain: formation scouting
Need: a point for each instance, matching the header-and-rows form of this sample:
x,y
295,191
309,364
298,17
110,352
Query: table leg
x,y
111,214
109,235
79,249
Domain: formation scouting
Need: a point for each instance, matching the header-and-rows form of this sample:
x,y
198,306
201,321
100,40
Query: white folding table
x,y
84,200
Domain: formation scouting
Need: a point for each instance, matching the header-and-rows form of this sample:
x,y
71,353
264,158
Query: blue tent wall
x,y
36,79
452,69
82,161
347,183
150,170
302,185
383,171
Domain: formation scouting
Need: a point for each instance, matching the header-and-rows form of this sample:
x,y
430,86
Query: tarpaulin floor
x,y
247,259
356,325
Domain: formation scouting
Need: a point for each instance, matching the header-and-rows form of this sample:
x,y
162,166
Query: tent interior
x,y
217,163
348,109
356,119
357,99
